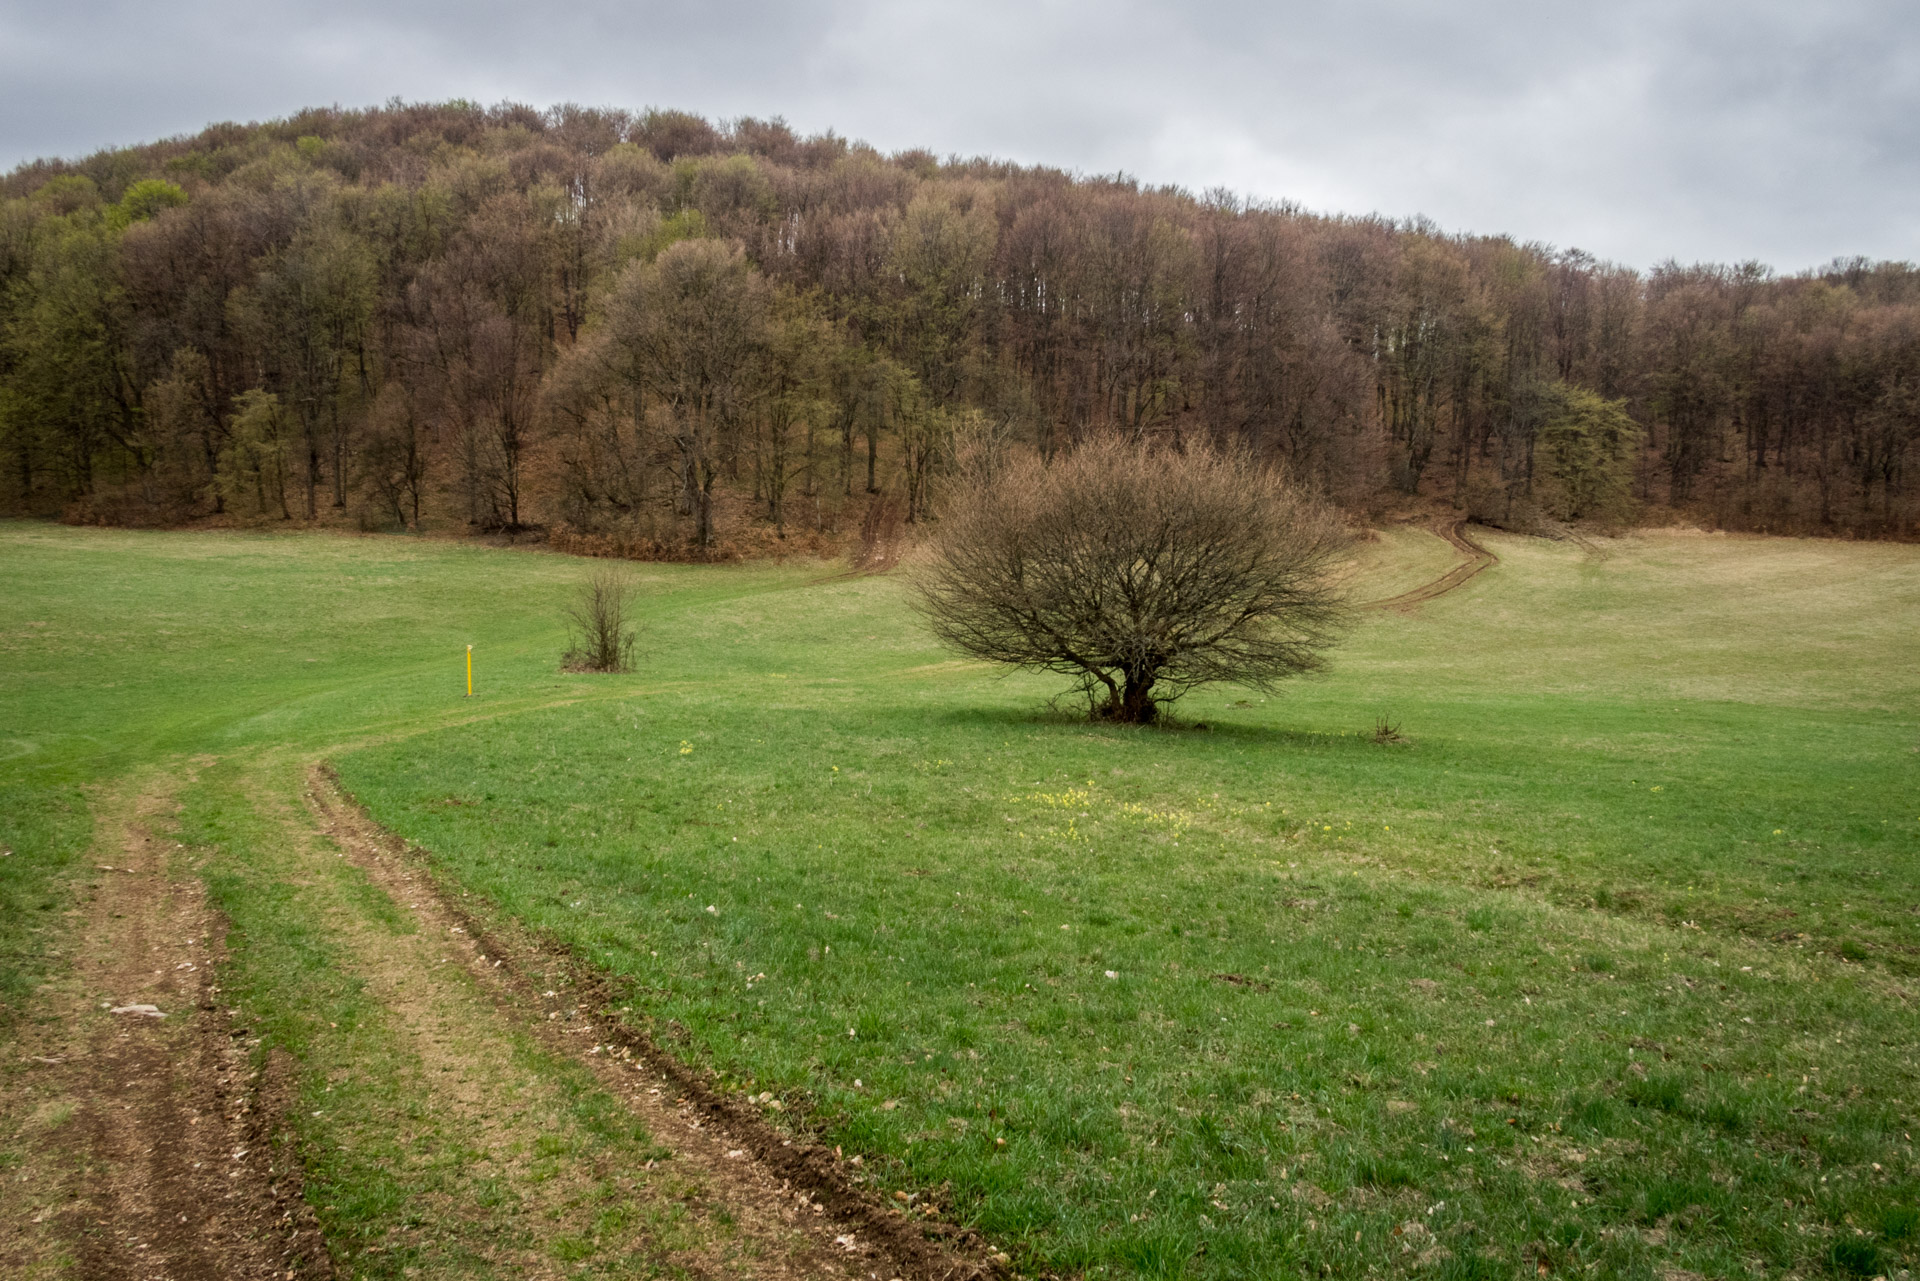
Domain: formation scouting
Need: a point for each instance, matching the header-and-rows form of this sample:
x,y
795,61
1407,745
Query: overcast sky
x,y
1697,129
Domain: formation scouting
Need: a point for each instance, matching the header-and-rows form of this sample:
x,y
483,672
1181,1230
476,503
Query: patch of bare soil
x,y
797,1211
1477,559
152,1141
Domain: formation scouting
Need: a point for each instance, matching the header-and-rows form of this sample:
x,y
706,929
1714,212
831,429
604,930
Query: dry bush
x,y
603,628
1387,733
1142,572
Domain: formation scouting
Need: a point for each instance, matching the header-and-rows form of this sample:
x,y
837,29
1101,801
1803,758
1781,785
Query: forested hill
x,y
666,334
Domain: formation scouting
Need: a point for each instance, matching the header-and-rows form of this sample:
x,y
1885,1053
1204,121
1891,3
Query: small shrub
x,y
1387,733
603,630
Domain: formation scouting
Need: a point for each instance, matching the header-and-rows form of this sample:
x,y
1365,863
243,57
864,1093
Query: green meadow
x,y
1609,966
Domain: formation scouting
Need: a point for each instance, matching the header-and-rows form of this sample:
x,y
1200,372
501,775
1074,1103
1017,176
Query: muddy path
x,y
797,1210
152,1137
1476,558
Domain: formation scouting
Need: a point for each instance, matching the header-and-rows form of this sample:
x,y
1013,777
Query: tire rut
x,y
1477,559
155,1144
798,1214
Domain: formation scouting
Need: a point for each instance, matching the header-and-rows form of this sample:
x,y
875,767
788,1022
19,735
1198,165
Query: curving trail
x,y
1477,559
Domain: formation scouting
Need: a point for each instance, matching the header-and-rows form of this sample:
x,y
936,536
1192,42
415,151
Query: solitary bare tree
x,y
602,618
1142,572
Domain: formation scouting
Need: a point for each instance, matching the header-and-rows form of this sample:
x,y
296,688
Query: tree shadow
x,y
1170,731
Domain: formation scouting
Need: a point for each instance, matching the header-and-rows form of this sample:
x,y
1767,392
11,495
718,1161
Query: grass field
x,y
1611,967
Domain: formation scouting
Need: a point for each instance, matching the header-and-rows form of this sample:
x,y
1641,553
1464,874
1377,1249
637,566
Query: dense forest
x,y
656,335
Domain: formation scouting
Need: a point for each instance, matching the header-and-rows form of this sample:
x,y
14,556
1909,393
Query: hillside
x,y
660,336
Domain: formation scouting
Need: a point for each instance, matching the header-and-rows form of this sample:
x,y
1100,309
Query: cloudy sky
x,y
1696,129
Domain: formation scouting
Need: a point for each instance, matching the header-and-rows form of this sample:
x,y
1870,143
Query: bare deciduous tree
x,y
603,627
1140,571
624,326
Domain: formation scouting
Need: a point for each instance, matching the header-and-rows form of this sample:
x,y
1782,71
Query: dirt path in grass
x,y
142,1136
1477,559
150,1144
793,1210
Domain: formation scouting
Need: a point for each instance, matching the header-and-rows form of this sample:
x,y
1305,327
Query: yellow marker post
x,y
469,671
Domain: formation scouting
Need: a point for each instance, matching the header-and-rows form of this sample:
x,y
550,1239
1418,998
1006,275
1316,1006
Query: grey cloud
x,y
1696,129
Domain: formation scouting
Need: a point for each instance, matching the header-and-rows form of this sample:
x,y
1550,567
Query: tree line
x,y
671,335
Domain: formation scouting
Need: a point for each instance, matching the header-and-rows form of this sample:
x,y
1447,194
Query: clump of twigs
x,y
1387,733
603,626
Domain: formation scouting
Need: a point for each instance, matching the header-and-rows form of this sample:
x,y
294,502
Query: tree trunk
x,y
1133,703
703,509
846,454
313,468
1137,706
339,433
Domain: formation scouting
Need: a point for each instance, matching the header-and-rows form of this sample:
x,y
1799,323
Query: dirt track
x,y
152,1142
1477,559
794,1197
156,1145
155,1140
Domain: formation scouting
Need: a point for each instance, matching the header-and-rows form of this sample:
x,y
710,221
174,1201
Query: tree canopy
x,y
451,308
1142,572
